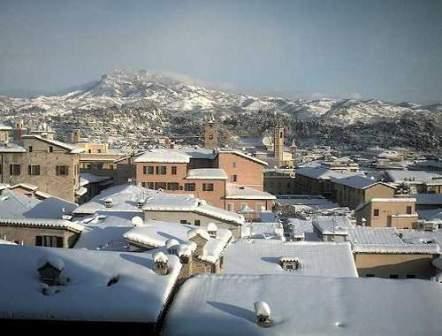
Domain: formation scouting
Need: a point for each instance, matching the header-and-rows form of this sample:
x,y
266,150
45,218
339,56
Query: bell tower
x,y
210,134
278,142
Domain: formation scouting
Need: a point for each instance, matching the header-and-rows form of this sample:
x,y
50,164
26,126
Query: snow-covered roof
x,y
224,305
11,148
428,199
198,152
16,205
302,228
206,174
322,173
313,202
42,223
6,242
260,256
71,148
171,202
266,230
164,156
104,231
244,155
4,127
328,225
236,191
387,240
139,294
124,198
431,214
358,182
87,178
157,233
412,176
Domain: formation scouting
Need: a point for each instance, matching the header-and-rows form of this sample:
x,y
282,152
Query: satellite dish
x,y
137,221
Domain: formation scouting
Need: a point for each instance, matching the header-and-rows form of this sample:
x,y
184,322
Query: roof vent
x,y
160,262
263,314
172,246
49,269
108,202
140,203
289,264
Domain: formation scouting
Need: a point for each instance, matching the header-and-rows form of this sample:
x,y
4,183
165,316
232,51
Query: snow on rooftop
x,y
224,305
357,182
414,176
428,199
387,240
42,223
125,197
236,191
332,224
11,148
71,148
156,234
206,173
105,231
163,155
259,256
87,178
244,155
322,173
139,295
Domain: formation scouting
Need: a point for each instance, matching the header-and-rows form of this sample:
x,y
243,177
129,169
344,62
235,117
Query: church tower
x,y
210,134
278,142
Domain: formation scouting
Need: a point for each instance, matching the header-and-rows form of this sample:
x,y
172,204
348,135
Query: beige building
x,y
40,232
382,253
388,212
52,166
280,181
356,190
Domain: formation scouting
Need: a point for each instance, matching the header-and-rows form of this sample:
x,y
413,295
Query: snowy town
x,y
148,234
221,168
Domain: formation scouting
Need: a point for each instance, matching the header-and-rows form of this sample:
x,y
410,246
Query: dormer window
x,y
289,264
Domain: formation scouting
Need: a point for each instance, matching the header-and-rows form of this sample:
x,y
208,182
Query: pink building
x,y
226,179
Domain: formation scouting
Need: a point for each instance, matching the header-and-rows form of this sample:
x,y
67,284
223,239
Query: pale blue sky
x,y
388,49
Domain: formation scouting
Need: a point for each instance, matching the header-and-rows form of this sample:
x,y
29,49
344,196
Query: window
x,y
163,170
197,222
14,169
376,212
51,149
189,186
173,186
160,185
183,221
99,150
234,178
61,170
409,210
30,149
234,164
229,206
207,186
394,276
173,170
150,185
50,241
411,276
147,170
369,275
281,135
89,151
33,170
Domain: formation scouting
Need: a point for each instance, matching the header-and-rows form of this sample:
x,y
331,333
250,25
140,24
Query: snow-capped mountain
x,y
141,100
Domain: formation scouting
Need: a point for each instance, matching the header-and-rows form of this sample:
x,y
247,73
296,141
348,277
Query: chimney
x,y
108,202
200,238
160,262
263,314
212,229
